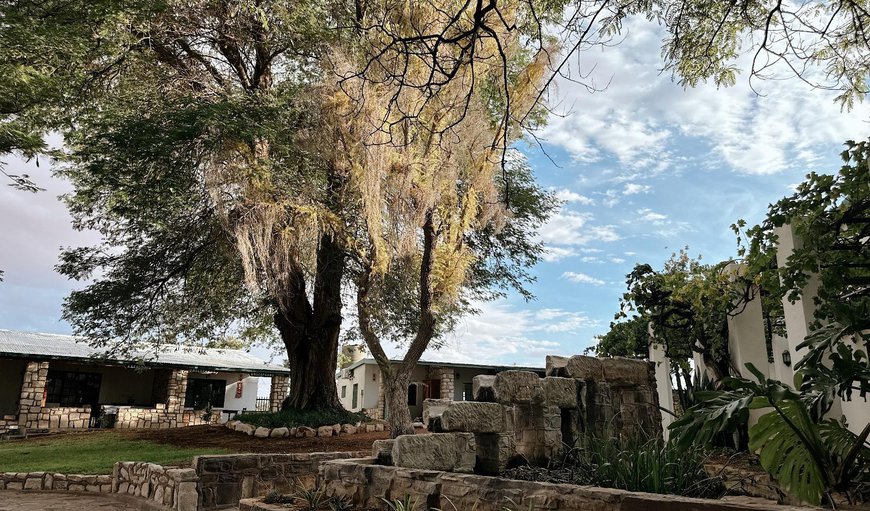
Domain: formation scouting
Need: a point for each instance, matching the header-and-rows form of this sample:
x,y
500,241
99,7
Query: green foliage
x,y
628,338
294,418
406,503
636,465
810,458
687,304
311,498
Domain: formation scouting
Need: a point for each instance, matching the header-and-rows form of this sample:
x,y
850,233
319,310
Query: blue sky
x,y
645,168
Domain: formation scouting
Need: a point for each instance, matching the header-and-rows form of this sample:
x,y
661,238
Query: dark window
x,y
202,392
466,392
344,391
355,401
73,389
412,394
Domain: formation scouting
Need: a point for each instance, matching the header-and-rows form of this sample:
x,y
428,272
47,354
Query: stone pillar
x,y
32,392
664,387
448,379
380,411
176,390
278,391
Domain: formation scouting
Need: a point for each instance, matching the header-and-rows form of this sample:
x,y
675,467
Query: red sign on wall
x,y
239,388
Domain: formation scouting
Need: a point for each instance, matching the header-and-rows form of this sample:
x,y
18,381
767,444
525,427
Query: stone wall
x,y
7,422
172,488
280,385
161,418
32,392
224,479
519,415
448,382
365,484
58,482
63,417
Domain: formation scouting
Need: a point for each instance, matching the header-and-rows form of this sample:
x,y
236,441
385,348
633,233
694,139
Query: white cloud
x,y
592,260
569,196
571,228
635,188
642,113
649,215
582,278
555,254
502,334
617,260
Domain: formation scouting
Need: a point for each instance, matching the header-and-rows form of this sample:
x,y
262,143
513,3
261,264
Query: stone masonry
x,y
278,392
31,413
519,417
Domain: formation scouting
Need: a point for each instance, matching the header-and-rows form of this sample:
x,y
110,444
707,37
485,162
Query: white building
x,y
359,384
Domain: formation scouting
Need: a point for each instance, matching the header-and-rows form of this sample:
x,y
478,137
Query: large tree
x,y
185,124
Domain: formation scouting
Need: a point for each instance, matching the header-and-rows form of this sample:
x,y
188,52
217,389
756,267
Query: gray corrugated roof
x,y
56,346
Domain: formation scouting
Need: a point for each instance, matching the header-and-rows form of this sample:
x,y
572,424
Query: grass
x,y
89,453
296,418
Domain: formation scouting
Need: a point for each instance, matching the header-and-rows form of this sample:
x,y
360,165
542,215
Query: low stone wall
x,y
173,488
160,418
365,484
303,431
6,423
50,481
225,479
58,418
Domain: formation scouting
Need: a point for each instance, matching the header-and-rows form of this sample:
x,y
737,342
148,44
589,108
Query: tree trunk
x,y
311,333
396,397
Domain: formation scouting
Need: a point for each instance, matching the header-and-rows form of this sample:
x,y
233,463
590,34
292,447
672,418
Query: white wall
x,y
231,402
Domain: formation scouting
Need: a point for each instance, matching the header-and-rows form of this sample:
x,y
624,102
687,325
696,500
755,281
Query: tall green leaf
x,y
791,450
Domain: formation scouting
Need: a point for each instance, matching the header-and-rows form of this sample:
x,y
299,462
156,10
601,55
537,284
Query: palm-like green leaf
x,y
851,450
715,412
791,450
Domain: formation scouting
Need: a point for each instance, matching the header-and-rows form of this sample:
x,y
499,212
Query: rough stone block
x,y
348,429
434,407
382,451
33,483
324,431
279,432
556,366
494,452
481,388
518,387
561,392
262,432
474,417
305,432
245,428
626,371
585,368
449,452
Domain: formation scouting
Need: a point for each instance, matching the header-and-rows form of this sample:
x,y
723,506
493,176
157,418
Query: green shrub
x,y
649,466
296,418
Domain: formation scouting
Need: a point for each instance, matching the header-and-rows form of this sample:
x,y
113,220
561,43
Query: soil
x,y
221,437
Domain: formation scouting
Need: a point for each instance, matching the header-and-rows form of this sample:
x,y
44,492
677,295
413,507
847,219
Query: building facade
x,y
360,388
52,381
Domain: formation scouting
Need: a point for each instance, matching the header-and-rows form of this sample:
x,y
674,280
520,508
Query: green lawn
x,y
90,453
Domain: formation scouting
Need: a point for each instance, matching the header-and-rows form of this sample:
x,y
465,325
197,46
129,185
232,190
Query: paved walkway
x,y
11,500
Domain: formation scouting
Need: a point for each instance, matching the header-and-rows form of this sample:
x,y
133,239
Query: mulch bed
x,y
221,437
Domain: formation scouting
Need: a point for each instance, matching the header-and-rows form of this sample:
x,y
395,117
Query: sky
x,y
644,168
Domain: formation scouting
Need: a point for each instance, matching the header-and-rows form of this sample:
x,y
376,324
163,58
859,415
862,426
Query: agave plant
x,y
810,457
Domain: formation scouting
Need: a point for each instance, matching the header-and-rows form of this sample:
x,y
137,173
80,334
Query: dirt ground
x,y
12,500
219,436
